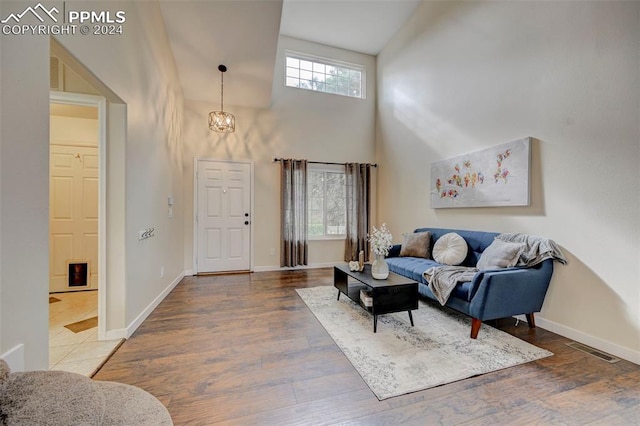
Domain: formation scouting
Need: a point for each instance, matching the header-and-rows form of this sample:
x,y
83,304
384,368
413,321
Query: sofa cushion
x,y
414,267
450,249
462,291
500,254
410,267
417,244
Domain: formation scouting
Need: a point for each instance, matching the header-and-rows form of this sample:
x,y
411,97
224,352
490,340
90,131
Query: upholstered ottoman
x,y
62,398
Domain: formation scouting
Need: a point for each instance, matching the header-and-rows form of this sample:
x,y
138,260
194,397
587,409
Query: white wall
x,y
24,192
461,76
138,66
299,124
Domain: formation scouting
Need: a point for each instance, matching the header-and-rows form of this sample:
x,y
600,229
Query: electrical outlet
x,y
272,252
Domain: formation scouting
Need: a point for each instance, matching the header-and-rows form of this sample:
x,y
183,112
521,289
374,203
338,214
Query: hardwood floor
x,y
245,349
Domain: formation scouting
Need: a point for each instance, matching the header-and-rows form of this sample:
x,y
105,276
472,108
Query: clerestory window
x,y
324,75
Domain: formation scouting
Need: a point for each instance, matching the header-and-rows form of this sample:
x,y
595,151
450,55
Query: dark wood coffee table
x,y
395,294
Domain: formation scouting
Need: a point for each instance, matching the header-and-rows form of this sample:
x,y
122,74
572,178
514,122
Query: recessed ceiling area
x,y
243,35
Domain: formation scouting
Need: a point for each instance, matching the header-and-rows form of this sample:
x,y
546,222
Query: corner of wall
x,y
15,358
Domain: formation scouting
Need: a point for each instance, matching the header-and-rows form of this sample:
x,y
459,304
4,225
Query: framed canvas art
x,y
492,177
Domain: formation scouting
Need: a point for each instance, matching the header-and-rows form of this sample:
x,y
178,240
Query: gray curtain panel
x,y
358,177
293,195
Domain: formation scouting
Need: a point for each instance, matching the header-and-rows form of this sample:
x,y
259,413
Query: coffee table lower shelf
x,y
395,294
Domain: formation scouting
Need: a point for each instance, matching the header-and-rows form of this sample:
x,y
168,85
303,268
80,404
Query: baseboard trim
x,y
118,333
586,339
146,312
295,268
15,358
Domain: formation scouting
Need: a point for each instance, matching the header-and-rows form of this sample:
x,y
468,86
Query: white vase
x,y
379,268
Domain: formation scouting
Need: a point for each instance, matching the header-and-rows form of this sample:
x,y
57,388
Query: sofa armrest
x,y
507,292
394,251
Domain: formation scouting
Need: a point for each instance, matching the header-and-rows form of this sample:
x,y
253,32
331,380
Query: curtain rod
x,y
325,162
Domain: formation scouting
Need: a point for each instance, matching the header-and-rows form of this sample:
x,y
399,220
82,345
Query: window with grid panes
x,y
322,75
326,203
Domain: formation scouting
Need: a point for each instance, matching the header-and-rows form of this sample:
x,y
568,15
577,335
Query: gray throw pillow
x,y
417,244
500,254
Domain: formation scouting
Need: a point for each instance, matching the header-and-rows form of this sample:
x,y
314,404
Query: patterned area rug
x,y
400,359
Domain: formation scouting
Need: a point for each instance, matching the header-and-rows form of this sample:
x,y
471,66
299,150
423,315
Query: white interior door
x,y
223,222
73,215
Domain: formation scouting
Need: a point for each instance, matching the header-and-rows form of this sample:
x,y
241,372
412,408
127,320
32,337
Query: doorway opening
x,y
75,139
76,91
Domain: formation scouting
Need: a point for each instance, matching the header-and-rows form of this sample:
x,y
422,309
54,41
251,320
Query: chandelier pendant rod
x,y
220,121
222,90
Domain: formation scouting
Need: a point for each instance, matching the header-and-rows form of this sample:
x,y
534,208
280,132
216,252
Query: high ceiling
x,y
243,35
360,25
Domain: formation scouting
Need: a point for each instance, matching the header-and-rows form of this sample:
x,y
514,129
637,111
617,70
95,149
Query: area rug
x,y
83,325
400,359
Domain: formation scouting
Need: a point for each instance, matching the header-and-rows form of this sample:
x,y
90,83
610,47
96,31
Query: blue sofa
x,y
492,294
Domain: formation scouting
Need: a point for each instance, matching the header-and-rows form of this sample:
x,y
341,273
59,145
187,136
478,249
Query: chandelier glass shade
x,y
220,121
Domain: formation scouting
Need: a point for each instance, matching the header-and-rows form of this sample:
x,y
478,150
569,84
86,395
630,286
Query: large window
x,y
326,205
322,75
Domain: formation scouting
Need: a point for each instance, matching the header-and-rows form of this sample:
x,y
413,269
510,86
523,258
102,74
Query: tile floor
x,y
76,352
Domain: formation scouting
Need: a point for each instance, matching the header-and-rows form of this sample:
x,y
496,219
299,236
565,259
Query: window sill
x,y
326,238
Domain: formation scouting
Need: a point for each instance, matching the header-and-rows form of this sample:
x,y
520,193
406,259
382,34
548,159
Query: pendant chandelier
x,y
220,121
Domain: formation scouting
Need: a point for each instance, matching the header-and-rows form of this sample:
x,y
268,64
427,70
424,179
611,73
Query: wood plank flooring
x,y
245,350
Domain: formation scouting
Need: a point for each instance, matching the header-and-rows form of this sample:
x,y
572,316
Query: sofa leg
x,y
475,327
531,320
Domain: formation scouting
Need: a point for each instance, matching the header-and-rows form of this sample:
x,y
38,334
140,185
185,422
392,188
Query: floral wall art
x,y
495,176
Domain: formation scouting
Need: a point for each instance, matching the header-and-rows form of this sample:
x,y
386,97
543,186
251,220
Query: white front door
x,y
223,222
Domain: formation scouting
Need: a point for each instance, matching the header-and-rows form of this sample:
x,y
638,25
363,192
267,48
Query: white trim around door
x,y
100,103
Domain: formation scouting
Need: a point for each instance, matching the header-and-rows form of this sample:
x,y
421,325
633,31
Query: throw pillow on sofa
x,y
450,249
500,254
416,244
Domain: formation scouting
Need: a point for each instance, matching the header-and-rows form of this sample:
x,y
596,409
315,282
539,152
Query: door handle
x,y
246,222
246,215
